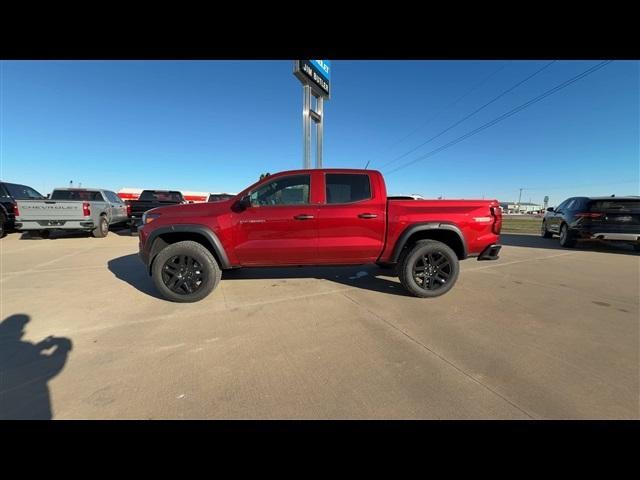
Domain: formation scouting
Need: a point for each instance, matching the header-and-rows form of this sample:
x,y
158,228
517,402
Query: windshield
x,y
22,192
84,195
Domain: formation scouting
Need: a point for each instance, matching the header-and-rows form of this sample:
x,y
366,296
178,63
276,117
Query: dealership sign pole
x,y
315,76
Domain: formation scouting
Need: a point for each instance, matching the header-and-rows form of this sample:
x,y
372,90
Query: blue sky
x,y
216,125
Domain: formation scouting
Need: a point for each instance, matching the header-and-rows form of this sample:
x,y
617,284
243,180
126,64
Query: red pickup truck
x,y
317,217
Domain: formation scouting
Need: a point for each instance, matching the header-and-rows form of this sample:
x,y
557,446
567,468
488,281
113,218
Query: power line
x,y
495,99
562,187
452,104
506,115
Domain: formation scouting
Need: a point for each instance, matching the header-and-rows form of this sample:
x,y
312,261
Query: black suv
x,y
9,193
594,218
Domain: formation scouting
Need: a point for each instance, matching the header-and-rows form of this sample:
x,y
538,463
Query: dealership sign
x,y
315,73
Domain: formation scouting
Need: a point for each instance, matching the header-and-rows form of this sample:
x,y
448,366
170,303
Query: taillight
x,y
86,210
128,209
496,213
16,212
589,215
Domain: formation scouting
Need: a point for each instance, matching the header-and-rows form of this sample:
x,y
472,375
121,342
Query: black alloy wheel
x,y
182,274
185,271
428,269
432,271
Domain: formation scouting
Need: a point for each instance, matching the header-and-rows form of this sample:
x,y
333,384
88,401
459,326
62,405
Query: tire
x,y
175,260
566,239
3,228
636,247
544,232
102,230
429,254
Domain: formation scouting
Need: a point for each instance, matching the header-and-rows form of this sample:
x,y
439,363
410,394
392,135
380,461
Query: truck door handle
x,y
303,217
367,215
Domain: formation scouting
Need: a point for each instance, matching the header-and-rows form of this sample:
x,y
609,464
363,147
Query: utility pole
x,y
519,198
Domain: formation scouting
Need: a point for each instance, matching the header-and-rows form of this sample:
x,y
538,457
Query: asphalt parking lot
x,y
543,333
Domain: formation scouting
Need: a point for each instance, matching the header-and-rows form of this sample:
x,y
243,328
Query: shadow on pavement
x,y
131,270
60,234
368,277
25,369
535,241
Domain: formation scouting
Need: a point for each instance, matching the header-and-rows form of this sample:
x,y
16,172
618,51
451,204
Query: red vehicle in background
x,y
317,217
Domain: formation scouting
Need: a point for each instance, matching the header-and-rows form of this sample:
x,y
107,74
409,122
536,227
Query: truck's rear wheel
x,y
102,230
185,272
429,269
2,227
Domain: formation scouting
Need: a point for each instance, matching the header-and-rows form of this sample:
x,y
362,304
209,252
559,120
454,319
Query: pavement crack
x,y
448,362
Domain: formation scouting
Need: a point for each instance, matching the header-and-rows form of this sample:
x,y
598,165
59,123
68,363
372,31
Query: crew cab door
x,y
280,227
351,218
117,206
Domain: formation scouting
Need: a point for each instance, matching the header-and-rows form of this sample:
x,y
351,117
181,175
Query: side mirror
x,y
550,209
242,204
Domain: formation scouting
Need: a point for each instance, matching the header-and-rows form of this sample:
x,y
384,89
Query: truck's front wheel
x,y
185,272
429,269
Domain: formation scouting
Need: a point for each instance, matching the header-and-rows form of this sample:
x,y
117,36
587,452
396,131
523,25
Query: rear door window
x,y
347,188
113,198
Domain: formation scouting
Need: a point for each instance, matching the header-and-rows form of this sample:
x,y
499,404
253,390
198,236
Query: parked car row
x,y
93,210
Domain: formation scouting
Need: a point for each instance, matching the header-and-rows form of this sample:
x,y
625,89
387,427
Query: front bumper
x,y
490,253
143,252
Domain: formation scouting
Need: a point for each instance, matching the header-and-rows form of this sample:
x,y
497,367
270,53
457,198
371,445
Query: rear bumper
x,y
490,253
54,224
627,237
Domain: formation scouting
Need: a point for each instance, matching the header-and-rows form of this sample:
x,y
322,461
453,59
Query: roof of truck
x,y
81,189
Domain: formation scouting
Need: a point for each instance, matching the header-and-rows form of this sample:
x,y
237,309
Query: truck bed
x,y
469,216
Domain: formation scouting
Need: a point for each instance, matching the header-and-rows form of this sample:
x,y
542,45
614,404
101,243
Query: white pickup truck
x,y
88,209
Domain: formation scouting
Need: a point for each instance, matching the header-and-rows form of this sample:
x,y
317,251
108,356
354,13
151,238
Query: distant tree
x,y
264,175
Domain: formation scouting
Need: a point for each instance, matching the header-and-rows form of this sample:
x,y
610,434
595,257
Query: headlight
x,y
149,217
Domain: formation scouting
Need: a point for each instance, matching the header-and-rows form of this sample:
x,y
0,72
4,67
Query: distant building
x,y
523,207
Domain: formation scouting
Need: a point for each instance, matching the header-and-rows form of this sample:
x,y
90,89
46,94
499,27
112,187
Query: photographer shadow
x,y
25,369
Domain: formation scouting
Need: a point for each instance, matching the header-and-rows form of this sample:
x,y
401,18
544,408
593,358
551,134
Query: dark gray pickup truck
x,y
149,199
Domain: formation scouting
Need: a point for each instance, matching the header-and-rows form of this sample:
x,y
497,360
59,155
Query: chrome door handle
x,y
368,215
304,217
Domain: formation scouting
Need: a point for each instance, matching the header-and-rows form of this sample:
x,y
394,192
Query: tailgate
x,y
617,215
49,210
